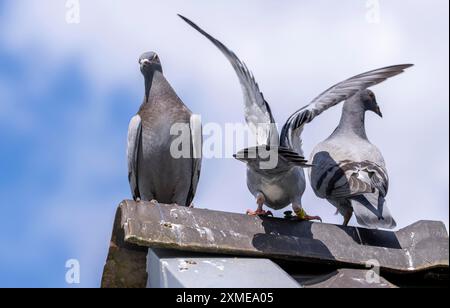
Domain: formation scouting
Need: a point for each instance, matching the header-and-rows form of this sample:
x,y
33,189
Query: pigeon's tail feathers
x,y
292,157
272,157
371,211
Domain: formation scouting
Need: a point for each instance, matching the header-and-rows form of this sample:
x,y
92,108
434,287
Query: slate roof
x,y
414,256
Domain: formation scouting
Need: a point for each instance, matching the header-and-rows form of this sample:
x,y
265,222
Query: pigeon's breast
x,y
164,121
161,173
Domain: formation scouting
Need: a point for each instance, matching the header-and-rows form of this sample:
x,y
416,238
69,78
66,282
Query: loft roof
x,y
419,248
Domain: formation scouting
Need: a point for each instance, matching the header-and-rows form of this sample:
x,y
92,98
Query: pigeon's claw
x,y
310,218
347,218
259,213
301,215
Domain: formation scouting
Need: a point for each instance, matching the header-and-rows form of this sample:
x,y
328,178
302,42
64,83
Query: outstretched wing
x,y
134,137
257,111
292,130
196,151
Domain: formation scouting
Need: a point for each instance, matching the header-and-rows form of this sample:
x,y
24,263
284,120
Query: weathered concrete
x,y
420,250
126,263
423,245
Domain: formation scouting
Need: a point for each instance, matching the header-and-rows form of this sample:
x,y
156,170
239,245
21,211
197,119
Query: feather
x,y
292,130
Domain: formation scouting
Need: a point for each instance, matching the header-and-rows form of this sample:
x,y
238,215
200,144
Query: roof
x,y
419,251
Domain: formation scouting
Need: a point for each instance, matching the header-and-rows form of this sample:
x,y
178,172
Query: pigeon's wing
x,y
365,185
292,157
257,111
371,208
379,178
347,179
292,130
134,137
196,152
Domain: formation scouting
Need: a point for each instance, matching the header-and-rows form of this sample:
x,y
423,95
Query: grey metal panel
x,y
421,246
171,269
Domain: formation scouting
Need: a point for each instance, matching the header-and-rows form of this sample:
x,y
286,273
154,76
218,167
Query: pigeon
x,y
163,165
349,171
277,185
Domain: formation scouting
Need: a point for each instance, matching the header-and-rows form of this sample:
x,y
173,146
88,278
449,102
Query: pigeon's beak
x,y
240,157
145,62
378,111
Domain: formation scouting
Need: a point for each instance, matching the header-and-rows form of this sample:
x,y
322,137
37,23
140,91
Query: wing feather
x,y
134,140
196,150
292,130
257,111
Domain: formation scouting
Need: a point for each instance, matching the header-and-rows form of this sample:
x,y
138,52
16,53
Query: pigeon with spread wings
x,y
349,171
284,183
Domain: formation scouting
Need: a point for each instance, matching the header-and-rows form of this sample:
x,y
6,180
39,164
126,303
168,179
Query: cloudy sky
x,y
68,91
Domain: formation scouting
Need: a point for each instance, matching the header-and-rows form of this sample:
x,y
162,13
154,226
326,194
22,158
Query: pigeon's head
x,y
369,101
149,62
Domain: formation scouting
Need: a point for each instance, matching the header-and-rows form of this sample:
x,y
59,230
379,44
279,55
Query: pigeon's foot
x,y
301,215
259,213
347,216
260,199
192,206
154,202
346,221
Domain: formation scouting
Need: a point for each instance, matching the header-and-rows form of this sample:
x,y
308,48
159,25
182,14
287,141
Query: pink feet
x,y
309,218
260,199
259,213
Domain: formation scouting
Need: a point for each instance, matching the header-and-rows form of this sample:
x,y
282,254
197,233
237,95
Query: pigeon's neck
x,y
352,121
153,82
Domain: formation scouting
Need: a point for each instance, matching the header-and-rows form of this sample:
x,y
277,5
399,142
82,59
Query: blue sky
x,y
67,92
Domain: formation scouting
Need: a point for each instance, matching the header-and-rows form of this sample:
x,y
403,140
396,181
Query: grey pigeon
x,y
285,183
349,171
154,172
